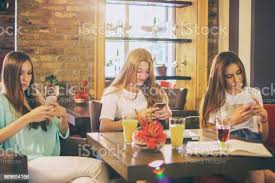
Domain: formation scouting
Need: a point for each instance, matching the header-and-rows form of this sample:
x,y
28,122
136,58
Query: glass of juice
x,y
129,125
223,131
176,128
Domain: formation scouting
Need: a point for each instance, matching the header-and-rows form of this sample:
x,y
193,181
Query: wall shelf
x,y
179,40
163,3
173,78
162,78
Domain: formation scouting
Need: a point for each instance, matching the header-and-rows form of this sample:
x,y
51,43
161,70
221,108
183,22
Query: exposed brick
x,y
73,51
78,8
30,51
54,8
47,58
66,58
65,15
51,35
54,51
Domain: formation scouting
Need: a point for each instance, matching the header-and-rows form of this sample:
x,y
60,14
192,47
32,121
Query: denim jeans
x,y
246,134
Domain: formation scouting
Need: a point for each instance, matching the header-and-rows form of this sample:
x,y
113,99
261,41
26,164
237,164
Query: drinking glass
x,y
129,124
176,128
223,131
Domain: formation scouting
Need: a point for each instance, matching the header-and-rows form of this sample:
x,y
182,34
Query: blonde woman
x,y
134,89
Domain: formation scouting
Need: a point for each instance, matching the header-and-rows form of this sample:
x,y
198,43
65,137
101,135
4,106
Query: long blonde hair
x,y
215,94
128,76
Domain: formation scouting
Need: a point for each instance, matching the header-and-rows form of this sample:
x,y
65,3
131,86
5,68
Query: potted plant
x,y
52,87
82,94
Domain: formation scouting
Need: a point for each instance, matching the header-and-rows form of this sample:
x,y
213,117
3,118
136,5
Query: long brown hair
x,y
12,66
128,76
215,95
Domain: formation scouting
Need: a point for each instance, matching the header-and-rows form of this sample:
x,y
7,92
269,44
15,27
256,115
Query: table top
x,y
74,109
132,163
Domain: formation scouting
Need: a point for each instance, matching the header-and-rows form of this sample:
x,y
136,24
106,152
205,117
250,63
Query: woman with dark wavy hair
x,y
30,127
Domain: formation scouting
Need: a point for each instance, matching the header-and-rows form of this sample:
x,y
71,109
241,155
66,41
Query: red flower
x,y
152,143
85,82
152,134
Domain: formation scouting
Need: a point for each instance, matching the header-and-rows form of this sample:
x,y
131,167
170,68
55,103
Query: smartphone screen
x,y
159,105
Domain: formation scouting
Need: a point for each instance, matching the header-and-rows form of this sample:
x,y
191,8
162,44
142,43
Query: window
x,y
137,22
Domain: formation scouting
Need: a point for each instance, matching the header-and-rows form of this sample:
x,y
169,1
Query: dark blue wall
x,y
263,48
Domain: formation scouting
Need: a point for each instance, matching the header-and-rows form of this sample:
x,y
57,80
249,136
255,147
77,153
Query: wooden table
x,y
132,163
78,115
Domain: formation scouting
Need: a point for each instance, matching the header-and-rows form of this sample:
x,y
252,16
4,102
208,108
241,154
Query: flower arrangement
x,y
52,85
51,80
82,95
150,136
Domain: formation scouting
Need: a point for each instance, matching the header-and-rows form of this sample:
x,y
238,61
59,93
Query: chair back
x,y
177,98
270,108
95,110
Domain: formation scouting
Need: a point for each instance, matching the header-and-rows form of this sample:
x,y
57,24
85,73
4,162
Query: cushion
x,y
270,108
177,98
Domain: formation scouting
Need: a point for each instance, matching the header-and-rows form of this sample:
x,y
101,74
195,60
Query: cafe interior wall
x,y
60,38
7,30
197,64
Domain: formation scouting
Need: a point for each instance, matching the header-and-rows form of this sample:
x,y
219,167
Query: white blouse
x,y
120,103
232,102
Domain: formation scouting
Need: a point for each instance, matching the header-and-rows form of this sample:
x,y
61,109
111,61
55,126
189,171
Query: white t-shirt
x,y
120,103
233,101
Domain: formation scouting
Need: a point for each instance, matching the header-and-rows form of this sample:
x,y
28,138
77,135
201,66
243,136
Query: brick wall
x,y
7,22
55,33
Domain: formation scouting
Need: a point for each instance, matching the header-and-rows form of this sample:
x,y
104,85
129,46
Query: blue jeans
x,y
246,134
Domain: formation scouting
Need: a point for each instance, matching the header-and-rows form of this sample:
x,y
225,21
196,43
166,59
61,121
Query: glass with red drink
x,y
223,131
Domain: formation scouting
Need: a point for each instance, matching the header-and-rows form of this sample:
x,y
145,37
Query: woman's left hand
x,y
59,111
259,110
163,113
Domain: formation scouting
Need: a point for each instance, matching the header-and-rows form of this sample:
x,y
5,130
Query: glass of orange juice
x,y
176,128
129,124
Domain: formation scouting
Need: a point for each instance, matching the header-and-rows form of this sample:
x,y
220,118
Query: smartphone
x,y
51,100
159,105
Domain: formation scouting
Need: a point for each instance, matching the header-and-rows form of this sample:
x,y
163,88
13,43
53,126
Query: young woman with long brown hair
x,y
229,96
134,89
29,127
227,92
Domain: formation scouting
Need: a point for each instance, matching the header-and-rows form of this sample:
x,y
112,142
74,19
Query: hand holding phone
x,y
159,105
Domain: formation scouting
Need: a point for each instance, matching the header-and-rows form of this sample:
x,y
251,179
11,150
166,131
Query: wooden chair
x,y
177,100
95,110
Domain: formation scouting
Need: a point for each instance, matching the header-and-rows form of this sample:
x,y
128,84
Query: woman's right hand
x,y
40,113
241,114
146,113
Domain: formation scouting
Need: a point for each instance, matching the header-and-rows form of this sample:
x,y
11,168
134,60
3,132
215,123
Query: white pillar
x,y
245,35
